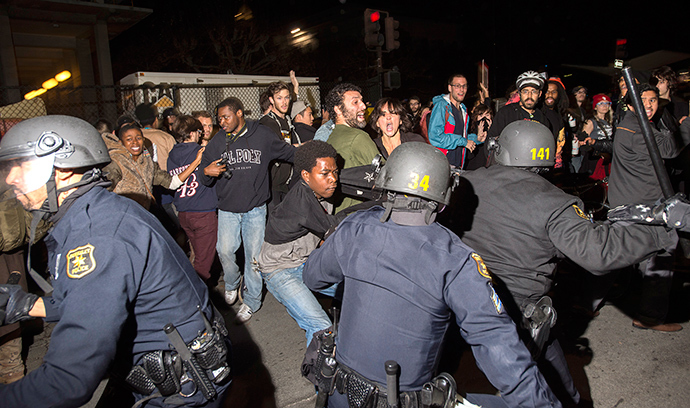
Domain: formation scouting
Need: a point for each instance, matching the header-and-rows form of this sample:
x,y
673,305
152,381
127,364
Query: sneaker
x,y
244,314
231,296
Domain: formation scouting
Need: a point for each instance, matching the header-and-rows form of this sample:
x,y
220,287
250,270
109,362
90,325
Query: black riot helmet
x,y
419,169
525,143
31,149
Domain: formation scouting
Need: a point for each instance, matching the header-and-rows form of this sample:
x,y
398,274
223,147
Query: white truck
x,y
202,92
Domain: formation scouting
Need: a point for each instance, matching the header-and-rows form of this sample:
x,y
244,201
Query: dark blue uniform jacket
x,y
119,278
401,285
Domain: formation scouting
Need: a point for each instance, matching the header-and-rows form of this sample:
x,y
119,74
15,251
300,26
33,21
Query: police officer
x,y
404,277
522,225
119,279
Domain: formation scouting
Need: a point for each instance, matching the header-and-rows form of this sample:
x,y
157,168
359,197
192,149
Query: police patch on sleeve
x,y
80,261
481,266
580,213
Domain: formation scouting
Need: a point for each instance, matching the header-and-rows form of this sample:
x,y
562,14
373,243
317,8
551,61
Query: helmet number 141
x,y
541,153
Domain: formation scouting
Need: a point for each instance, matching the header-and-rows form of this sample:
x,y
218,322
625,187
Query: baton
x,y
194,371
392,383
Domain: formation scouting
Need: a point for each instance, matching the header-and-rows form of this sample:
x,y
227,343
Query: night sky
x,y
437,38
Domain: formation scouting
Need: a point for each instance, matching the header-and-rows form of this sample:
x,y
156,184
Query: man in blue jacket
x,y
449,123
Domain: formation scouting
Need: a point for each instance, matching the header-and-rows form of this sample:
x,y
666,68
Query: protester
x,y
195,202
391,123
237,162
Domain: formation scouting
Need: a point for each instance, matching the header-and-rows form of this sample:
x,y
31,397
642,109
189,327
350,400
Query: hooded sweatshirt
x,y
248,156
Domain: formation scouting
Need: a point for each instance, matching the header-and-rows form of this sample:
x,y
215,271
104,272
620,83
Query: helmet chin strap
x,y
49,207
409,210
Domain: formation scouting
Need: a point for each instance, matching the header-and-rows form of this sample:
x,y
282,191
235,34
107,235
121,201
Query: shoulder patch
x,y
481,266
80,261
580,213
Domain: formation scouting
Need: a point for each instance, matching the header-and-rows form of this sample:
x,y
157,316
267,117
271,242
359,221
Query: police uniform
x,y
118,278
522,225
402,284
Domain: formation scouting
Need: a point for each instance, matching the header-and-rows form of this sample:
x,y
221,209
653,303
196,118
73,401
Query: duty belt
x,y
364,393
202,361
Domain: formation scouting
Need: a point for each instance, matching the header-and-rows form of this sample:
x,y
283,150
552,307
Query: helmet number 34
x,y
415,182
541,153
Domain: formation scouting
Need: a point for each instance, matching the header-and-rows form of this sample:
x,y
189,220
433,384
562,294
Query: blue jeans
x,y
289,289
247,229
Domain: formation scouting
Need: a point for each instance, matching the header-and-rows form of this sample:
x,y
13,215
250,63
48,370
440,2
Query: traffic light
x,y
372,28
392,34
621,48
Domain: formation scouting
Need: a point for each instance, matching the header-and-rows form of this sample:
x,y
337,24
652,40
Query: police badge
x,y
80,261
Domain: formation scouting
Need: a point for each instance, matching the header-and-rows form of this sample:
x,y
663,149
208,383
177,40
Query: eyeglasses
x,y
529,91
459,86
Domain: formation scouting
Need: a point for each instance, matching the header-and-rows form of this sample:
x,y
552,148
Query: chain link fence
x,y
92,103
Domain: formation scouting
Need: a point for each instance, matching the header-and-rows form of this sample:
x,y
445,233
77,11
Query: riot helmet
x,y
525,143
419,169
34,147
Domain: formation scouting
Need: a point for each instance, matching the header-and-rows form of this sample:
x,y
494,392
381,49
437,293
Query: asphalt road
x,y
623,367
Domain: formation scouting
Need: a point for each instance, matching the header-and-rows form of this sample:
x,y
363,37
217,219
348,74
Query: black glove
x,y
637,213
15,304
671,213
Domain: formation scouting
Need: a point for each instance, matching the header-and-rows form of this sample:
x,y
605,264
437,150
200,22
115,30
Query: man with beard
x,y
415,113
529,85
555,109
449,123
278,120
207,123
354,146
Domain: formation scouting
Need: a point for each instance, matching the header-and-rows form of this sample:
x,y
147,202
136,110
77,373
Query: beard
x,y
351,119
529,103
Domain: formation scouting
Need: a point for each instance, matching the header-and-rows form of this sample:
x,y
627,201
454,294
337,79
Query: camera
x,y
227,174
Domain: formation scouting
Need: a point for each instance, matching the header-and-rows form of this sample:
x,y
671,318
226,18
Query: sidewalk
x,y
628,367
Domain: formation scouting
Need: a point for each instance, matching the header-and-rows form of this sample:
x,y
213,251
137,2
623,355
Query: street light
x,y
63,76
49,84
35,93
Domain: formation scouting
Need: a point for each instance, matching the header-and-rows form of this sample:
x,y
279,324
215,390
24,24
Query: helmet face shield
x,y
22,177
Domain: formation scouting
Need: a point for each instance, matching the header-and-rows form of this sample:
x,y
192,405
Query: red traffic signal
x,y
372,29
